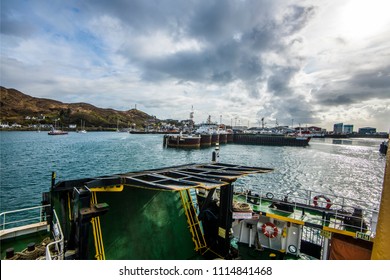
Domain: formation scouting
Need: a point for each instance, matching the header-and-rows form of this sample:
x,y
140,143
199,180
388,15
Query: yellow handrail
x,y
97,233
192,220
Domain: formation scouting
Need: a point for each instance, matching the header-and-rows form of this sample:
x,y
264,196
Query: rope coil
x,y
38,253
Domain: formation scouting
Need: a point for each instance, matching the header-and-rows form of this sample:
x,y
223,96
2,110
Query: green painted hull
x,y
144,224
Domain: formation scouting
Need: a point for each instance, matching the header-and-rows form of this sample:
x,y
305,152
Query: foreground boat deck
x,y
322,218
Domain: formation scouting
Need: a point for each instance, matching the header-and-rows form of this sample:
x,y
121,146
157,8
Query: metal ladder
x,y
192,220
97,233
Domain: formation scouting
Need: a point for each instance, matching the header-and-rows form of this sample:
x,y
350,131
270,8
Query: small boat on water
x,y
82,128
54,131
199,213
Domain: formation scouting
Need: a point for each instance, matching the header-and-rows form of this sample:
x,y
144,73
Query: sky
x,y
290,62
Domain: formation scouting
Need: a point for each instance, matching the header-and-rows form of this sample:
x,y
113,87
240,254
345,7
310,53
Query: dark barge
x,y
207,140
182,141
270,139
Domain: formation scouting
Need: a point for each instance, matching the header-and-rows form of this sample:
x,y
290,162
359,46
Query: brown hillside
x,y
15,106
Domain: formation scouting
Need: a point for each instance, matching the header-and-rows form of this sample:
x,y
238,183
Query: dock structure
x,y
269,139
207,140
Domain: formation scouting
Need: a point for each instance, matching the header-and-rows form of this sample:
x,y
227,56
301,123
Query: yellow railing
x,y
192,220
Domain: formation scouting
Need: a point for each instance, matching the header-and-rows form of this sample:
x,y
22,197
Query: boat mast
x,y
192,118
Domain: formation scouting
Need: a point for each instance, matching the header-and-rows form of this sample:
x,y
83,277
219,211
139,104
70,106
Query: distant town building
x,y
367,130
314,129
4,125
338,128
348,128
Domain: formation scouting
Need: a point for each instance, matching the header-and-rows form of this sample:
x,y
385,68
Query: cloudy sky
x,y
291,61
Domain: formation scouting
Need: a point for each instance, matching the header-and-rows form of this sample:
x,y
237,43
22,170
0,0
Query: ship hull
x,y
182,141
214,138
205,140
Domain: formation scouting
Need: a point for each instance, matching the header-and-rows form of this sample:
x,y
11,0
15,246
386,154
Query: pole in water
x,y
215,154
53,178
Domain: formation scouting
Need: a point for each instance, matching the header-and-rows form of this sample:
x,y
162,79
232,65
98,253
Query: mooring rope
x,y
38,252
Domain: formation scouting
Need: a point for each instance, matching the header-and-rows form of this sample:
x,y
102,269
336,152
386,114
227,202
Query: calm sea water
x,y
352,168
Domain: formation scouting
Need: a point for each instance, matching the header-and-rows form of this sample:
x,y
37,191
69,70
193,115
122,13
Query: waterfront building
x,y
315,129
338,128
367,130
348,128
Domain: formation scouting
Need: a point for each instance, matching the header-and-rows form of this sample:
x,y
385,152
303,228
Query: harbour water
x,y
350,167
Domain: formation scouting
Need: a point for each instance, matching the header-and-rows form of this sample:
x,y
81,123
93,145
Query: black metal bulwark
x,y
171,178
225,220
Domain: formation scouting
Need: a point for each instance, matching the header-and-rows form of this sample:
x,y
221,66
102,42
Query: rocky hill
x,y
17,107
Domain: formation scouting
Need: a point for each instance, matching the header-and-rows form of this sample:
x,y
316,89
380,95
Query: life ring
x,y
328,202
269,230
269,195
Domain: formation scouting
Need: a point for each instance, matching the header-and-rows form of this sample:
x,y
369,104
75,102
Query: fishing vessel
x,y
192,211
54,131
212,134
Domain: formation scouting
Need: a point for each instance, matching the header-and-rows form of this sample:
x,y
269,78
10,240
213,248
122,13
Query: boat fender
x,y
270,230
328,202
269,195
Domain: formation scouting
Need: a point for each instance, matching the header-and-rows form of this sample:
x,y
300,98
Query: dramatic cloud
x,y
286,61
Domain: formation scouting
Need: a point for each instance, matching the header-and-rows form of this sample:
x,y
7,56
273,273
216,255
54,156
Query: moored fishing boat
x,y
54,131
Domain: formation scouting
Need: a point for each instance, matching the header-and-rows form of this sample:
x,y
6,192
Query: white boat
x,y
82,128
55,131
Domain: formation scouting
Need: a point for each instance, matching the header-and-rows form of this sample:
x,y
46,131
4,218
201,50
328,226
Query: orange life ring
x,y
269,230
328,202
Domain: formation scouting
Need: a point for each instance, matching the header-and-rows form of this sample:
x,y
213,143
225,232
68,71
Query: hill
x,y
17,107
